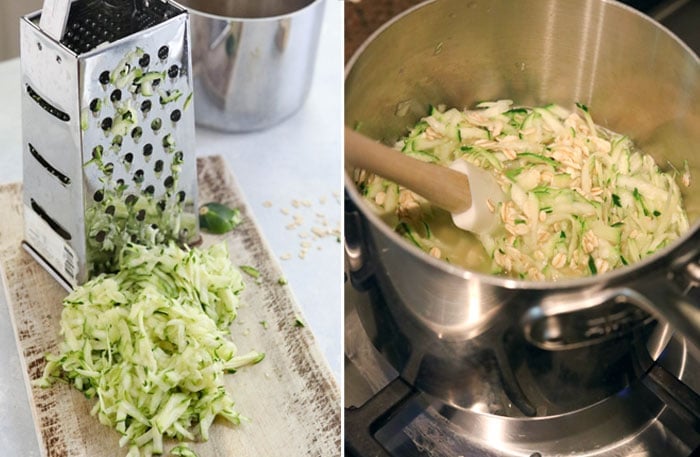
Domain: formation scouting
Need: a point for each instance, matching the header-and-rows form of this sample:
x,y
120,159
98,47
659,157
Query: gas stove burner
x,y
630,423
530,403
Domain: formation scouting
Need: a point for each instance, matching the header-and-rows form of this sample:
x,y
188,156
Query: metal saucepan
x,y
253,60
637,78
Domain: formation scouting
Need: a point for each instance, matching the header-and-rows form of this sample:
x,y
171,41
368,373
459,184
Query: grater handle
x,y
54,16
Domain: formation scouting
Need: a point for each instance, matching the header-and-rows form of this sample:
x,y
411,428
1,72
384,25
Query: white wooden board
x,y
291,397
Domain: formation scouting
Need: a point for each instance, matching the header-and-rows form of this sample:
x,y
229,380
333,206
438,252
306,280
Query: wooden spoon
x,y
463,189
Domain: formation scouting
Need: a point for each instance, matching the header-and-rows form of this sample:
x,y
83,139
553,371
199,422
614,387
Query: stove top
x,y
649,414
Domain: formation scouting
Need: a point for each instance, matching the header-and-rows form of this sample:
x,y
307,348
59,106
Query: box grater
x,y
108,133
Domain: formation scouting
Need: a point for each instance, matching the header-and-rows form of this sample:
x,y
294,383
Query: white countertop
x,y
298,160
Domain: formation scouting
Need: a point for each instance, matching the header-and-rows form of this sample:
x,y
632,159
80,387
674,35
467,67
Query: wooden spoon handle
x,y
446,188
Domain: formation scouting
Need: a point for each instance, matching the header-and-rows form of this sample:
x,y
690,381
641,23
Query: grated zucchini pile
x,y
151,344
581,199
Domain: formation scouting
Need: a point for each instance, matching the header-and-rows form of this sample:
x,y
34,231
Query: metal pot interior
x,y
634,75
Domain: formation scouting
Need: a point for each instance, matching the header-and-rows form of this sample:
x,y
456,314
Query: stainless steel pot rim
x,y
648,263
272,18
513,283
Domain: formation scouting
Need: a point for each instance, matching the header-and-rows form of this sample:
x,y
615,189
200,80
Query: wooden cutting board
x,y
291,397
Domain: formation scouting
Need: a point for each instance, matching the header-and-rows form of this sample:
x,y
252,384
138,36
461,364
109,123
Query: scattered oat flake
x,y
318,231
284,211
286,256
267,204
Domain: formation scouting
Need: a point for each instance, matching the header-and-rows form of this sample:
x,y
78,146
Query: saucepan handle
x,y
673,297
667,290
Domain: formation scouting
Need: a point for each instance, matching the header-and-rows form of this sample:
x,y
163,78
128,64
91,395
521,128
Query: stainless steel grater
x,y
108,133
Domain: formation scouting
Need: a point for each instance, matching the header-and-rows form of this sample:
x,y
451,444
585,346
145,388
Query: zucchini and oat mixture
x,y
581,199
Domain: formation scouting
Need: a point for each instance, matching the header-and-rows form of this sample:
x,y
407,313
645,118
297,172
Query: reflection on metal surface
x,y
253,60
624,419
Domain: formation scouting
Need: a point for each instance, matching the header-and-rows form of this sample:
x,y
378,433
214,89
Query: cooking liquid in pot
x,y
581,199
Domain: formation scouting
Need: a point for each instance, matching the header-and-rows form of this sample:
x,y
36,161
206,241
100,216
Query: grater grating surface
x,y
93,22
109,135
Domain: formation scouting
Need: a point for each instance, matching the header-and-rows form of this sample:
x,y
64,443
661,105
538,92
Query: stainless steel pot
x,y
253,60
636,77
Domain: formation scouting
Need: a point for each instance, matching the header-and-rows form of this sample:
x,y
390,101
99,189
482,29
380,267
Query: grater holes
x,y
146,106
48,107
169,182
44,163
106,123
110,210
163,52
145,60
104,77
91,23
136,133
147,149
117,142
175,115
149,190
108,169
158,166
130,199
55,226
98,196
138,176
173,71
116,95
168,142
127,160
141,215
97,152
95,105
178,158
156,124
181,196
100,236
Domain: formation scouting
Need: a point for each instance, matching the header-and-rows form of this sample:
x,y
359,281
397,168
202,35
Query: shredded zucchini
x,y
582,200
151,344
